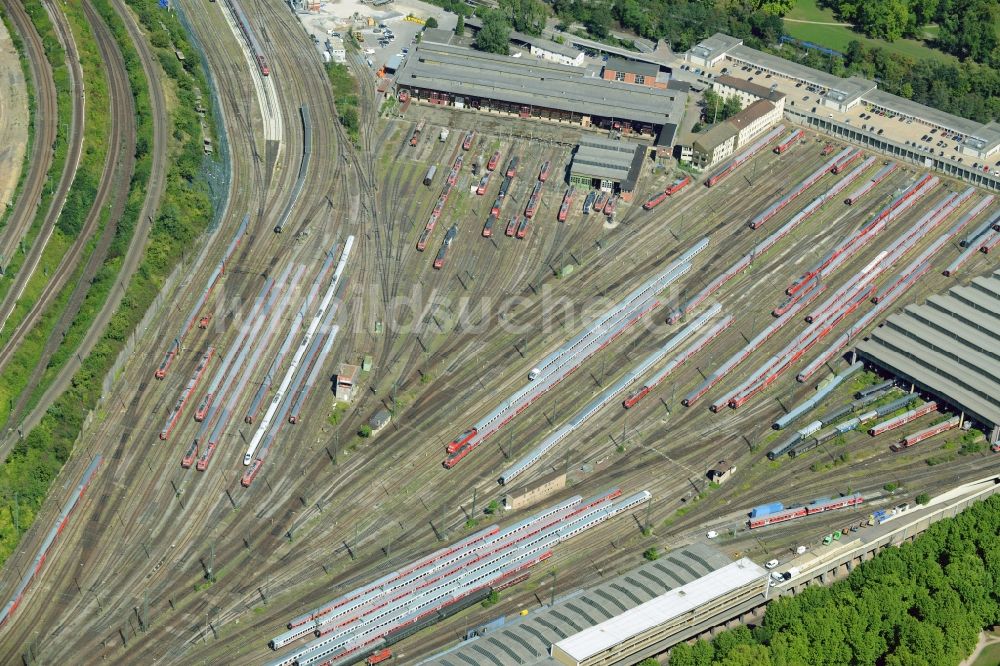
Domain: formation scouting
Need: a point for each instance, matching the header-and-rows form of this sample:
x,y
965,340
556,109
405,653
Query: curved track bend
x,y
75,134
45,121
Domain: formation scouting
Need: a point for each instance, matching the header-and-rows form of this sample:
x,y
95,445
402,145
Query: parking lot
x,y
907,131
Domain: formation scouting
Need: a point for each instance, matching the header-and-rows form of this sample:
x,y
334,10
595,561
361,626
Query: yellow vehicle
x,y
359,37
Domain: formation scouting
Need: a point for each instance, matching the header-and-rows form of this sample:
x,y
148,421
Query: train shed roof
x,y
528,640
602,637
947,346
535,82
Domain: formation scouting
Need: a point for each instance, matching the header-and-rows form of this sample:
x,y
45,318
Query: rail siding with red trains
x,y
789,141
671,189
217,274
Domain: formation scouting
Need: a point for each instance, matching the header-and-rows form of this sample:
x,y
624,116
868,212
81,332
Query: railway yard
x,y
221,507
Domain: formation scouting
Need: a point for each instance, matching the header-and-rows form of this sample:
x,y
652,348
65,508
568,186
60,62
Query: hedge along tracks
x,y
46,125
69,168
111,193
154,192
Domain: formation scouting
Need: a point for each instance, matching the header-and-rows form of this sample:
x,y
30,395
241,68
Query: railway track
x,y
45,121
75,134
134,254
152,539
114,187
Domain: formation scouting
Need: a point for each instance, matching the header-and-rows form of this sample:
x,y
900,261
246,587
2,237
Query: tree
x,y
714,107
598,21
494,37
732,106
365,431
527,16
651,554
431,22
460,25
923,498
884,19
349,119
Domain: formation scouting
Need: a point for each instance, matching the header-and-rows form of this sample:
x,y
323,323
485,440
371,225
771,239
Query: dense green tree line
x,y
682,23
923,603
966,28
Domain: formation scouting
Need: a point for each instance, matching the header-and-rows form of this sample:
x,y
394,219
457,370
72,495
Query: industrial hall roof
x,y
608,159
527,641
949,346
535,82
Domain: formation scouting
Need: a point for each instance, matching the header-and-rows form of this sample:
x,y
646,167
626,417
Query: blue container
x,y
766,509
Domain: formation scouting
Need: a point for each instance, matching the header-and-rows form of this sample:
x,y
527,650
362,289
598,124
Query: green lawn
x,y
838,37
990,656
807,10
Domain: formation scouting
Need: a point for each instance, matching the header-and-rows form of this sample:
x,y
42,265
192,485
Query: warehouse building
x,y
607,164
538,46
621,621
842,94
535,88
949,346
564,55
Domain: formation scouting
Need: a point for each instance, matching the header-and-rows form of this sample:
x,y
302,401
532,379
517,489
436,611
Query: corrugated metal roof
x,y
948,346
610,159
527,640
604,636
535,82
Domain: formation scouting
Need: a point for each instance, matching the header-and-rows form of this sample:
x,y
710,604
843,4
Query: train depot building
x,y
947,347
526,87
610,165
